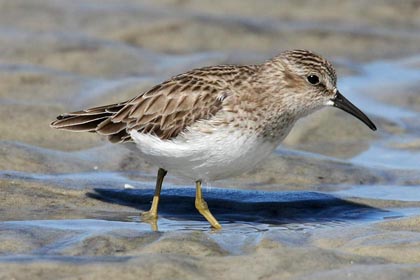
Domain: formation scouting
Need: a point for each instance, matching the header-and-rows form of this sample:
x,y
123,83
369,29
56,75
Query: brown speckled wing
x,y
165,110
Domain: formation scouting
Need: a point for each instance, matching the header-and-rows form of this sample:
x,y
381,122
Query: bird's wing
x,y
165,110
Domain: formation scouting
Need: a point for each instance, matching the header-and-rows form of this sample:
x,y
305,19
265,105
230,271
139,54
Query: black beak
x,y
345,105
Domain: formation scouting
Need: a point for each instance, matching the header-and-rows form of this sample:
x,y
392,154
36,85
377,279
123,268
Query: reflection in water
x,y
247,217
257,207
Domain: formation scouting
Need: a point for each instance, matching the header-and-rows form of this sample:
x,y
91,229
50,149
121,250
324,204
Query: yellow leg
x,y
152,215
202,207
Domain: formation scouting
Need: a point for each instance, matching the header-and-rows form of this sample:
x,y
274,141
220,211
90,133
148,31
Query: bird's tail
x,y
98,119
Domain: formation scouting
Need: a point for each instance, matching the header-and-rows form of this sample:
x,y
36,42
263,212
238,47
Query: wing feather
x,y
166,110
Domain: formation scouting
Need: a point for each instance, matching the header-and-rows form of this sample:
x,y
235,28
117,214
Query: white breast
x,y
205,156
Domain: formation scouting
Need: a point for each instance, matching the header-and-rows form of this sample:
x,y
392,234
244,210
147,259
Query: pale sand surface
x,y
335,201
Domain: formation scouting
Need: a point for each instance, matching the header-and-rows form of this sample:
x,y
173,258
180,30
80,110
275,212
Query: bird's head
x,y
308,83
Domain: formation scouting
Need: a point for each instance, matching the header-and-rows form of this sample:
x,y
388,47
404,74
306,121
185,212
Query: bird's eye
x,y
313,79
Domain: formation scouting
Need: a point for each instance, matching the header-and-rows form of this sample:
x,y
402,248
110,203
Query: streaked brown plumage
x,y
166,109
215,122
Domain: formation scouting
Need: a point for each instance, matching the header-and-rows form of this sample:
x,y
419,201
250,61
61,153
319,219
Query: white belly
x,y
204,156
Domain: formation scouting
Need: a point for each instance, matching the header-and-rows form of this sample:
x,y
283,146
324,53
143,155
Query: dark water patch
x,y
275,208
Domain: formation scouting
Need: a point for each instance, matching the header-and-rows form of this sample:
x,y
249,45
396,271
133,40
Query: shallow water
x,y
335,199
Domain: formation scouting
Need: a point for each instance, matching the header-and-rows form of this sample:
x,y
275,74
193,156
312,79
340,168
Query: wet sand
x,y
334,201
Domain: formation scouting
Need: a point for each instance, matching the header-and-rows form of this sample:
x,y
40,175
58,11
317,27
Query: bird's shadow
x,y
230,205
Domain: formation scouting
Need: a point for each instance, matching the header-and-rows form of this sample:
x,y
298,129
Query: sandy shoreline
x,y
335,201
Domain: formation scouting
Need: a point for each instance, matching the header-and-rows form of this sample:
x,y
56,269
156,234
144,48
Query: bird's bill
x,y
341,102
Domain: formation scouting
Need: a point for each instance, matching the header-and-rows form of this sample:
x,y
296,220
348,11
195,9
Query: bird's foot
x,y
149,215
202,207
151,218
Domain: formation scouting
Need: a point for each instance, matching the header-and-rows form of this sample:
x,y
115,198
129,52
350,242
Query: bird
x,y
218,121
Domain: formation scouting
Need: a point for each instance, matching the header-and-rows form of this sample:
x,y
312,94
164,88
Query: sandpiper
x,y
219,121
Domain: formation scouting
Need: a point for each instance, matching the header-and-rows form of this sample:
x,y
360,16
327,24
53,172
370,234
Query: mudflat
x,y
334,201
